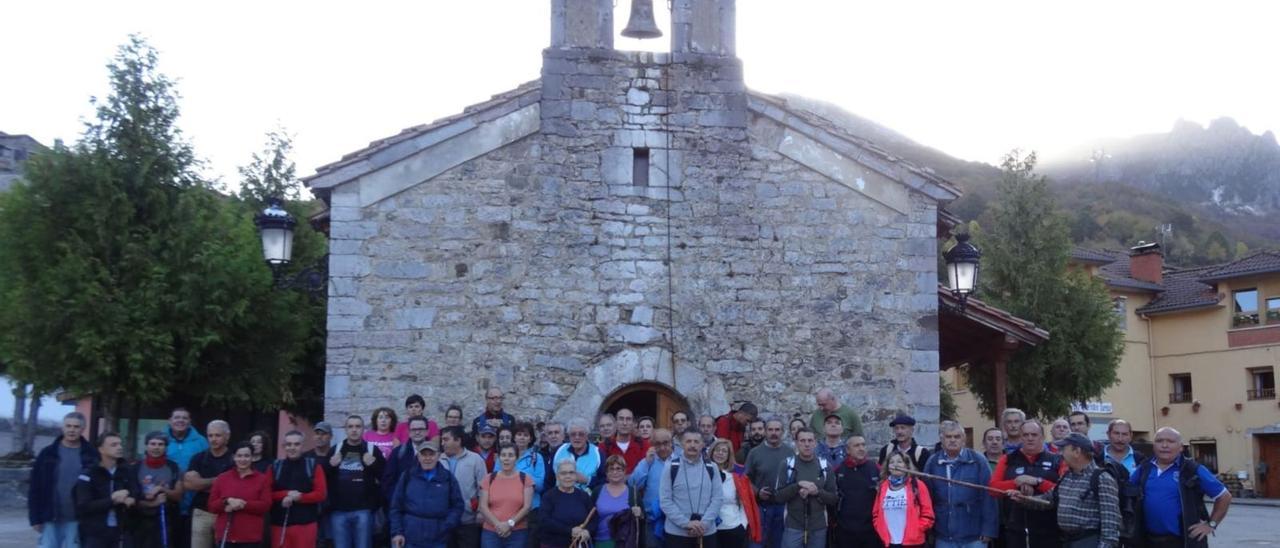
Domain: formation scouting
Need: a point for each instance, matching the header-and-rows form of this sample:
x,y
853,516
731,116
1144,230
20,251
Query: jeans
x,y
971,544
490,539
351,528
60,534
865,538
771,516
795,538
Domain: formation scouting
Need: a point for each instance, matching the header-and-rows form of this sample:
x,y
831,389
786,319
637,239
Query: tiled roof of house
x,y
1263,262
1183,290
1114,268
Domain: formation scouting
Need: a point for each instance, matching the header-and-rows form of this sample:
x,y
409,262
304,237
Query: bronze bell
x,y
641,24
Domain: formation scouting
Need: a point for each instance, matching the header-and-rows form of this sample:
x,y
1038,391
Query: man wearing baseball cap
x,y
904,441
1086,500
426,502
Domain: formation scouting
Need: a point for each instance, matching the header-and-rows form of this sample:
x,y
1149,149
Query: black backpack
x,y
1127,495
675,467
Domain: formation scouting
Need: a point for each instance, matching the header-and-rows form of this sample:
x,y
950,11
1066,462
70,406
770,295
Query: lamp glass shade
x,y
962,276
277,245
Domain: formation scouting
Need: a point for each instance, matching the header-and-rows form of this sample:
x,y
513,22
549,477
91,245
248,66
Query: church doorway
x,y
647,399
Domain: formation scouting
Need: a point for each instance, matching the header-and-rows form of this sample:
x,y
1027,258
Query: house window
x,y
640,167
1273,310
1122,311
1245,311
1262,383
1206,453
1180,388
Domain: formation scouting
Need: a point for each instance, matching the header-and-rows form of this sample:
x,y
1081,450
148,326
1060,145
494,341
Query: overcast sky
x,y
973,79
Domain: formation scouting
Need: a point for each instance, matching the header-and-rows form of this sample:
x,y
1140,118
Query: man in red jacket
x,y
624,441
297,489
733,425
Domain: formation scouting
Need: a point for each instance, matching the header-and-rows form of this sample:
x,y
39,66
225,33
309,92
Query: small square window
x,y
1180,388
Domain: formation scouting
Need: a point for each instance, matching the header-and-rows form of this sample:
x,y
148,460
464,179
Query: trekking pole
x,y
226,530
164,528
285,528
574,542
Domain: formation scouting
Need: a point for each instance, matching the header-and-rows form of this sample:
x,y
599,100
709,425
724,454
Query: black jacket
x,y
857,487
44,479
92,494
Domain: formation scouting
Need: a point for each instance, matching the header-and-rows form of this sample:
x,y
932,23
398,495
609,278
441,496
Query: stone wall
x,y
732,272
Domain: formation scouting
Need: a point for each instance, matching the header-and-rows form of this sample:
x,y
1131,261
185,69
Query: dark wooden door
x,y
1270,454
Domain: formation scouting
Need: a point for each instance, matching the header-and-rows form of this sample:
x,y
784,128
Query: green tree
x,y
126,276
1024,271
270,173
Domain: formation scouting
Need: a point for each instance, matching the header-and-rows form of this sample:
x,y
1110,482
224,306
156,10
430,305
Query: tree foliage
x,y
1026,245
125,275
270,173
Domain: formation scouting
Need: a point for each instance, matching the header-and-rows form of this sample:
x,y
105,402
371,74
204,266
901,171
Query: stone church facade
x,y
633,220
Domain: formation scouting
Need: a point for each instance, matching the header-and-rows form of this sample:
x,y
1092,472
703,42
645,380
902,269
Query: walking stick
x,y
164,528
285,528
1040,504
226,530
574,542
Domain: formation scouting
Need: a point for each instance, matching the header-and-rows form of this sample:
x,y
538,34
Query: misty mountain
x,y
1147,182
1223,170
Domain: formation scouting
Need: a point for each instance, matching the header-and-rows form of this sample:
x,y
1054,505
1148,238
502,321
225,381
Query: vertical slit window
x,y
640,167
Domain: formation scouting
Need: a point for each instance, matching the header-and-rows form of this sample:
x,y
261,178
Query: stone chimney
x,y
582,24
1146,262
703,26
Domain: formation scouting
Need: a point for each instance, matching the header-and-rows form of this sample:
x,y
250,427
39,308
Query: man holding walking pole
x,y
297,489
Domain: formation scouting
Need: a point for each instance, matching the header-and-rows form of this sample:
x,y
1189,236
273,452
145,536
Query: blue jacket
x,y
40,495
962,514
402,458
180,452
423,510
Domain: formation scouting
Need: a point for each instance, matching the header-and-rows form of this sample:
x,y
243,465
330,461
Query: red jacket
x,y
633,455
729,429
999,482
255,489
919,516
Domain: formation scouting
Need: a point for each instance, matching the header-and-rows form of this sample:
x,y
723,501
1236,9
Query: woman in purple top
x,y
612,498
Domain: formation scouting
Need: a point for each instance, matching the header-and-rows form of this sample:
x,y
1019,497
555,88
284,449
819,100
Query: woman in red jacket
x,y
902,512
240,497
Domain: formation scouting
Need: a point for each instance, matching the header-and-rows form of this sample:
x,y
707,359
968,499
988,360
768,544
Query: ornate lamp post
x,y
275,226
962,269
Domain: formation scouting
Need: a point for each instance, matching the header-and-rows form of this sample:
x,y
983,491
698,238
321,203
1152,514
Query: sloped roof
x,y
384,151
1263,262
1183,291
389,149
1113,268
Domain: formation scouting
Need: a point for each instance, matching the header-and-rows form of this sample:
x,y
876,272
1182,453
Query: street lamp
x,y
962,268
275,226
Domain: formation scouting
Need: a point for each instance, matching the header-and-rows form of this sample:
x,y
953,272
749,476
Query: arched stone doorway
x,y
647,399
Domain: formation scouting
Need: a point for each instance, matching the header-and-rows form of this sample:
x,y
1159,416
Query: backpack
x,y
1125,493
791,470
675,467
308,462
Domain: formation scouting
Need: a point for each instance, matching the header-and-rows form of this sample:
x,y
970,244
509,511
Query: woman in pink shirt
x,y
383,433
415,406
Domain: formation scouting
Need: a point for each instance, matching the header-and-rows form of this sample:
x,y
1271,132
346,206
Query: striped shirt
x,y
1078,513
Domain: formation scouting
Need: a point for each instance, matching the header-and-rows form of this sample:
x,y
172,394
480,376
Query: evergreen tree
x,y
270,173
1025,248
125,276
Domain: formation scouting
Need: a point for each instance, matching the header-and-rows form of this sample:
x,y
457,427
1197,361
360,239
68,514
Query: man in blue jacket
x,y
50,507
426,504
965,517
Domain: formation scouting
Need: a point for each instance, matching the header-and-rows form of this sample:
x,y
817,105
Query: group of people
x,y
731,481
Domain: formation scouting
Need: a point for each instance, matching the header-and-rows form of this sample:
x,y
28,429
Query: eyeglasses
x,y
577,434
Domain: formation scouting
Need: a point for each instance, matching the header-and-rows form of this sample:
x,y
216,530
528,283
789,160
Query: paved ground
x,y
1245,526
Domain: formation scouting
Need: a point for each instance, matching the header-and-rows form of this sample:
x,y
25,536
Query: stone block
x,y
567,363
401,269
351,266
924,361
413,318
635,334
